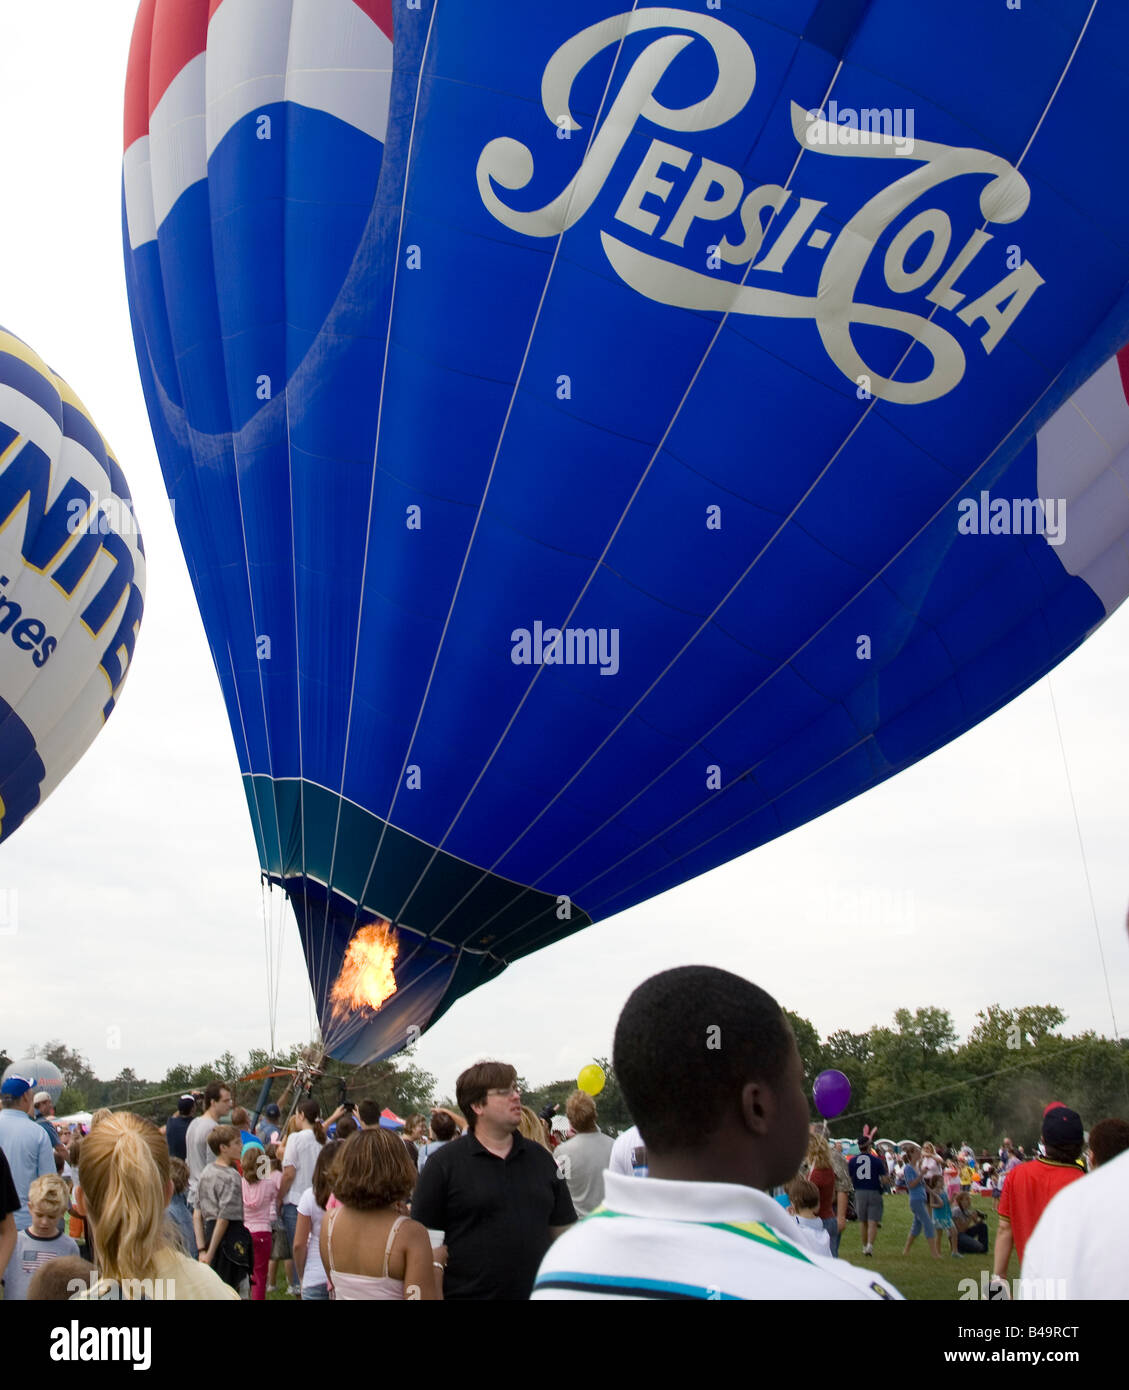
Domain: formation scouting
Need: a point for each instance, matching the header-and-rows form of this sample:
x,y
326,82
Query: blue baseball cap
x,y
16,1086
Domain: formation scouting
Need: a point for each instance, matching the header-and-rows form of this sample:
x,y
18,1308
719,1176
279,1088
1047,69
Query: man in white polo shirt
x,y
702,1226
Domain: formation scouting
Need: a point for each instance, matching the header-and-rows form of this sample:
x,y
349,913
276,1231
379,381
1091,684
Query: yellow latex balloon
x,y
591,1079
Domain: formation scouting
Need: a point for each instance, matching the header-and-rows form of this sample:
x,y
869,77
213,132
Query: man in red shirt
x,y
1030,1186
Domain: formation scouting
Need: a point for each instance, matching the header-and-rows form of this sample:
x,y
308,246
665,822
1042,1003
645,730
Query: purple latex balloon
x,y
831,1093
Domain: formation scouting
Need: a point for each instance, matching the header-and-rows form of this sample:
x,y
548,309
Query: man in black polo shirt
x,y
498,1197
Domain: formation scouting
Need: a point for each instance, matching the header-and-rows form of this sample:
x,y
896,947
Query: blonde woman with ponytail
x,y
124,1187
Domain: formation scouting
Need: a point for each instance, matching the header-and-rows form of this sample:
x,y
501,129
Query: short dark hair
x,y
373,1170
369,1111
213,1090
178,1171
473,1084
1108,1138
443,1126
346,1125
695,1035
802,1193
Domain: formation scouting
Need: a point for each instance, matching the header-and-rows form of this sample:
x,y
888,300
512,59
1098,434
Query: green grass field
x,y
918,1274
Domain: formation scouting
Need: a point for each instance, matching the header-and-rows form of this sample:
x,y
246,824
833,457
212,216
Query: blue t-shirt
x,y
867,1172
49,1129
29,1155
30,1254
916,1194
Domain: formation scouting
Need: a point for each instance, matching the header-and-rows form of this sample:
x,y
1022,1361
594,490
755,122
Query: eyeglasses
x,y
507,1092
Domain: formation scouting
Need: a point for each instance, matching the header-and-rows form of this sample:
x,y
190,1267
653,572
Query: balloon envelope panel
x,y
636,490
72,581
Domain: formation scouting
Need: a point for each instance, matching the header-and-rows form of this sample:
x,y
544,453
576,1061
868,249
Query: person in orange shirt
x,y
1029,1187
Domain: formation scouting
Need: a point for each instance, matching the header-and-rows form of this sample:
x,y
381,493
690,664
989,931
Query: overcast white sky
x,y
139,937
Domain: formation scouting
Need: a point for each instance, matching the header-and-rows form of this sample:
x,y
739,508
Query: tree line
x,y
914,1079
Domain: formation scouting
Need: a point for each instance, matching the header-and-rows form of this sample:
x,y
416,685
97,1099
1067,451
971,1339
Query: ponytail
x,y
123,1172
311,1110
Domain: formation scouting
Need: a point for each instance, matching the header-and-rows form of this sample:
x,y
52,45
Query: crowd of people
x,y
497,1202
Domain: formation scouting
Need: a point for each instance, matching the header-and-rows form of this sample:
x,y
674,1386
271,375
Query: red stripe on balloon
x,y
379,11
1123,367
180,33
137,74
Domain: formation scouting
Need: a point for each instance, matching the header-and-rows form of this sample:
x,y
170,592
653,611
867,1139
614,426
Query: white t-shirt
x,y
313,1272
813,1235
626,1148
1082,1238
301,1154
698,1240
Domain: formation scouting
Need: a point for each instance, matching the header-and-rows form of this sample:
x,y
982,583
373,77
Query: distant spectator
x,y
179,1214
268,1128
176,1130
1108,1138
261,1182
298,1161
629,1154
972,1229
803,1205
413,1135
43,1115
444,1129
533,1127
24,1143
217,1103
584,1158
919,1203
869,1176
241,1121
345,1127
822,1174
43,1241
369,1113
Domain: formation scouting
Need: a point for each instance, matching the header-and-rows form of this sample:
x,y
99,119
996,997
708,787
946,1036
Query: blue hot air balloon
x,y
617,435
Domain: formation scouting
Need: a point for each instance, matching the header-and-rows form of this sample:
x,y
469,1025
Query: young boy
x,y
221,1237
47,1201
803,1197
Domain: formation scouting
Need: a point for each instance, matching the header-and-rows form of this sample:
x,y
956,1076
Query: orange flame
x,y
366,979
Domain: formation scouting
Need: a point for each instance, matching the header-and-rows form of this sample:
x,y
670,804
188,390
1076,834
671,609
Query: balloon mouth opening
x,y
366,979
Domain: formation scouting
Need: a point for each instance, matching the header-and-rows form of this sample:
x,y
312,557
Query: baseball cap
x,y
41,1098
186,1104
272,1111
16,1086
1061,1126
